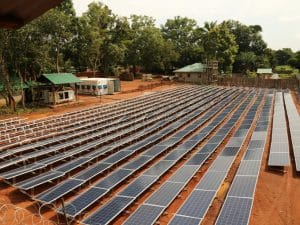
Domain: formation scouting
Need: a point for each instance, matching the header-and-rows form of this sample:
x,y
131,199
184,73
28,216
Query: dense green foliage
x,y
60,41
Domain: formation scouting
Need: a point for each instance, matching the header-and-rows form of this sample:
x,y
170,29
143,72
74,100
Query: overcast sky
x,y
280,19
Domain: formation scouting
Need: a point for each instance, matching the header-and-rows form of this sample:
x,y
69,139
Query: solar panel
x,y
235,211
91,172
241,132
197,159
176,154
230,151
170,142
165,194
216,139
117,157
21,170
83,201
259,135
279,159
253,154
156,150
208,148
138,186
256,144
38,180
67,167
58,191
109,211
222,163
188,145
183,174
235,142
197,204
211,181
145,214
138,162
261,128
114,179
184,220
250,168
242,186
181,134
279,147
160,168
198,137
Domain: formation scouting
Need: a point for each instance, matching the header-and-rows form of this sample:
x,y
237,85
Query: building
x,y
55,88
264,72
99,86
195,73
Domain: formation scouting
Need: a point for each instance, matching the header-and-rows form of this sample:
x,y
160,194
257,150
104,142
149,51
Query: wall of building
x,y
198,78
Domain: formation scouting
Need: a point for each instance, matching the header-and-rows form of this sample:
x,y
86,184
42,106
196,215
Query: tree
x,y
186,37
219,43
283,56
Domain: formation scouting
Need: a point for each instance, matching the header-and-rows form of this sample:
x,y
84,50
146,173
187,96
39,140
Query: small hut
x,y
264,72
56,88
195,73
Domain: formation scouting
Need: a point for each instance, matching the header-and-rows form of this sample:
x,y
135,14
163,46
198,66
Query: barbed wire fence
x,y
11,214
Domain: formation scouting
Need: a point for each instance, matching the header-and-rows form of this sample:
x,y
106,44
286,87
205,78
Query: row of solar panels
x,y
236,209
294,125
122,154
98,117
122,200
82,148
157,203
279,151
197,204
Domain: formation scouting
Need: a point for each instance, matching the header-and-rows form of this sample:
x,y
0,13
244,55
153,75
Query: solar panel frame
x,y
113,179
249,168
183,174
243,186
235,211
146,214
197,159
180,220
211,181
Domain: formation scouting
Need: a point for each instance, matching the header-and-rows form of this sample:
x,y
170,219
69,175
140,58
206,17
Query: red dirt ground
x,y
277,198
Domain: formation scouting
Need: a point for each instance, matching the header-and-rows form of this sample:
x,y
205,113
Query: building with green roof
x,y
264,72
194,73
55,88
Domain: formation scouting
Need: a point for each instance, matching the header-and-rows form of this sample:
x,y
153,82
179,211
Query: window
x,y
94,87
188,75
66,95
88,87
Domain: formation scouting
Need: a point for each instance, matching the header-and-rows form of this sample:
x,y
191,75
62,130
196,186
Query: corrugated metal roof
x,y
194,68
62,78
264,70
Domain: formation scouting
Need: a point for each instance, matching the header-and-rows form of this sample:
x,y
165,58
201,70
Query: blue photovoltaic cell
x,y
58,191
109,211
169,142
137,163
230,151
187,145
160,168
235,211
176,155
155,150
67,167
198,137
84,200
242,186
208,148
117,157
184,220
256,144
253,154
165,194
211,180
197,204
91,172
197,159
144,215
216,139
113,179
249,167
222,163
138,186
184,174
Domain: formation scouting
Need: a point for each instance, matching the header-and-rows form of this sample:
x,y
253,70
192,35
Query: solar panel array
x,y
100,149
198,203
238,203
294,125
164,196
279,151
